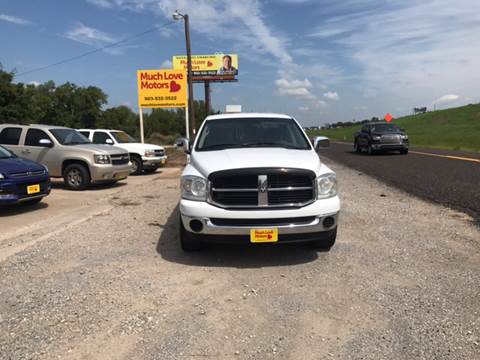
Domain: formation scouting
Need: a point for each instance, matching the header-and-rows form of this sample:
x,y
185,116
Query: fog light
x,y
196,225
328,222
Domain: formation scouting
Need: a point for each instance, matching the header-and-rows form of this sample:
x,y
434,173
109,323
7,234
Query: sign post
x,y
140,112
160,89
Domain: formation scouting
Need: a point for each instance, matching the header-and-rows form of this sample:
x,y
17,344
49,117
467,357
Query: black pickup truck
x,y
380,136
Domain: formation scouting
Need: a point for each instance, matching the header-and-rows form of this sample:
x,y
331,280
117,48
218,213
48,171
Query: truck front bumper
x,y
292,224
154,162
108,172
383,146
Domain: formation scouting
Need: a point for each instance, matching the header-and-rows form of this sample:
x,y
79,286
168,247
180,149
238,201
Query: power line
x,y
155,28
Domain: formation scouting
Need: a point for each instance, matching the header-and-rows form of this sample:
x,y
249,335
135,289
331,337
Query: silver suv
x,y
67,154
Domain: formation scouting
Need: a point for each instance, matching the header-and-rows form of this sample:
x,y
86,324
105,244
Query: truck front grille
x,y
120,159
391,139
159,152
262,188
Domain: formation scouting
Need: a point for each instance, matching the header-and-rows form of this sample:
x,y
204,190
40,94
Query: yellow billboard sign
x,y
220,67
162,88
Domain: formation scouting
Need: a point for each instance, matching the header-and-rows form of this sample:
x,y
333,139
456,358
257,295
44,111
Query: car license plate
x,y
33,189
263,235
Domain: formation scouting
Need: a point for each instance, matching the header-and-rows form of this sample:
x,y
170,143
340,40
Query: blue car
x,y
21,180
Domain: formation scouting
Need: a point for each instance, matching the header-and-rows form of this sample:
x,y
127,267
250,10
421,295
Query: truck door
x,y
42,153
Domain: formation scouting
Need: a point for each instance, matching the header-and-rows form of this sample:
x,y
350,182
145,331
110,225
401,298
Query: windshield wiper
x,y
221,146
267,144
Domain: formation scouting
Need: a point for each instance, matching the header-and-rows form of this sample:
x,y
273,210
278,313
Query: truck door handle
x,y
25,151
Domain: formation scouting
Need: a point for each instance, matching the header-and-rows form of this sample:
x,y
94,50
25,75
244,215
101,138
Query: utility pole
x,y
207,98
191,110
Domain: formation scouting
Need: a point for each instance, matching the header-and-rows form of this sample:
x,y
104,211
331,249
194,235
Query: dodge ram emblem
x,y
262,183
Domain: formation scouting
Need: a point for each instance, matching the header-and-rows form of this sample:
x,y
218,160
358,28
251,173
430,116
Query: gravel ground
x,y
402,282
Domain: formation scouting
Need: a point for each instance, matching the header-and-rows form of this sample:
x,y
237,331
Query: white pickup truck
x,y
255,178
144,157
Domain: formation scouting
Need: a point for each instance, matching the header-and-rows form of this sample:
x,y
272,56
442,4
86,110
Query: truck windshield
x,y
5,154
123,137
384,128
69,137
251,132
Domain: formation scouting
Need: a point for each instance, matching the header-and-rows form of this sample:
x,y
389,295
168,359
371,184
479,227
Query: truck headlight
x,y
149,153
326,186
404,137
376,138
1,176
102,159
194,188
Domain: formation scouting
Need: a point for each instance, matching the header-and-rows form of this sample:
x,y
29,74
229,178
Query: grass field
x,y
451,129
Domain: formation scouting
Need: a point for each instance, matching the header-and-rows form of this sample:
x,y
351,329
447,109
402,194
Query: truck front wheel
x,y
326,242
137,164
76,177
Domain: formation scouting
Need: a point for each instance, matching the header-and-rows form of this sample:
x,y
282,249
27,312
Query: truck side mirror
x,y
45,143
321,142
186,146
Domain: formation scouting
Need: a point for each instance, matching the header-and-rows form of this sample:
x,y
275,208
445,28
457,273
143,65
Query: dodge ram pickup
x,y
255,178
380,136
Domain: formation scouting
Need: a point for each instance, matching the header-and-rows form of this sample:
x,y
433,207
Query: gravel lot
x,y
403,282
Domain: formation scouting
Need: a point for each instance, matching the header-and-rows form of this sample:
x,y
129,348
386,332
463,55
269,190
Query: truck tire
x,y
137,164
326,243
404,152
76,177
187,243
357,148
370,150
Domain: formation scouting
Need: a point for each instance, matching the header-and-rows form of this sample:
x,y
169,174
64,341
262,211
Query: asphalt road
x,y
447,181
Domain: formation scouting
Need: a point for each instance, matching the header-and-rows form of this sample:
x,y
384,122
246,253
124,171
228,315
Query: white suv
x,y
144,157
255,178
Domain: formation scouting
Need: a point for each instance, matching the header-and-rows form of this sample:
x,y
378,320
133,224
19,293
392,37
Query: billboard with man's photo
x,y
217,67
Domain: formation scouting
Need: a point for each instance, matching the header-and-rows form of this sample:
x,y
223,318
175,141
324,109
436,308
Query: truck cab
x,y
254,178
145,157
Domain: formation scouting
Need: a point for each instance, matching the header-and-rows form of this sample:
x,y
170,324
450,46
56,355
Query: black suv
x,y
380,136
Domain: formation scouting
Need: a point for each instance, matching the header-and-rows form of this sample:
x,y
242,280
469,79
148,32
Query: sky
x,y
321,61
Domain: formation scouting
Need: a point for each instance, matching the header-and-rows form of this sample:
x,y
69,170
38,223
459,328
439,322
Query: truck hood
x,y
98,149
208,162
139,147
16,165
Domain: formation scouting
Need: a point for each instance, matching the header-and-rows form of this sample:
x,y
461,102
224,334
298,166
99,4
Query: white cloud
x,y
304,108
89,36
319,104
166,64
96,38
14,19
239,22
331,96
296,88
34,83
410,49
447,98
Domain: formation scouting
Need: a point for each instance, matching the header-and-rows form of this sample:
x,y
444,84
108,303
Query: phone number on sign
x,y
160,98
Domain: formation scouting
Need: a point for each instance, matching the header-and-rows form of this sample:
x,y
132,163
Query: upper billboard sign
x,y
162,88
218,67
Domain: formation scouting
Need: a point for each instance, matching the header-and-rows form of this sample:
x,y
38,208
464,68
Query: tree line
x,y
84,107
